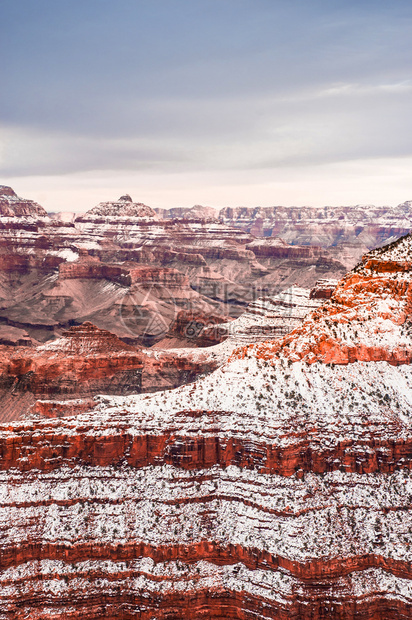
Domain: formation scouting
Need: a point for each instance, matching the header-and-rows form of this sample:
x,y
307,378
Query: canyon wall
x,y
363,225
127,270
277,486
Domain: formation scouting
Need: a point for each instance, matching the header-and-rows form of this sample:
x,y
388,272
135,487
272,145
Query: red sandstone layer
x,y
84,362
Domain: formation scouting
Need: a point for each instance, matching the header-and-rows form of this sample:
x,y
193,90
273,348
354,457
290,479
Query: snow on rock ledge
x,y
124,207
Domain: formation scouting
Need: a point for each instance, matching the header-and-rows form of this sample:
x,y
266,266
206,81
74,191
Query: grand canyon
x,y
204,413
205,310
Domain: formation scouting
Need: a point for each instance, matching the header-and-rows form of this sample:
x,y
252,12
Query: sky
x,y
213,102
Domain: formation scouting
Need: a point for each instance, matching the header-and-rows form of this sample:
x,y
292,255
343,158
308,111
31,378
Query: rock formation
x,y
125,270
266,318
197,212
124,207
323,289
84,362
65,374
278,486
360,225
195,330
13,206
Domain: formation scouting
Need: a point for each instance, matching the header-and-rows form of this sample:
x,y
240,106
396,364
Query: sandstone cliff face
x,y
323,289
84,362
367,317
279,486
126,274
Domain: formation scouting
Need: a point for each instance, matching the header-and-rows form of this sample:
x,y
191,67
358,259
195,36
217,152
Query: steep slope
x,y
279,486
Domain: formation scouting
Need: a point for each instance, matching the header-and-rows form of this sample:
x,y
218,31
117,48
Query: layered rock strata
x,y
62,377
139,270
85,361
215,341
124,207
358,225
279,486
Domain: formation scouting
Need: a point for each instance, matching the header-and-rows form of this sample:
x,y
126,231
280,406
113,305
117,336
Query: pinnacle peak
x,y
126,198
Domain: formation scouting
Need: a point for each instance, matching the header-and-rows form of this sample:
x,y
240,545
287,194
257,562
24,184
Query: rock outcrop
x,y
13,206
195,330
368,317
265,318
124,207
84,362
278,486
323,289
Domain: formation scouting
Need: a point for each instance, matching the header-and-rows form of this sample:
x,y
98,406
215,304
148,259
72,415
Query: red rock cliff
x,y
84,362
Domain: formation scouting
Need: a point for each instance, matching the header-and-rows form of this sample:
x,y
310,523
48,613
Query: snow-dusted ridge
x,y
123,207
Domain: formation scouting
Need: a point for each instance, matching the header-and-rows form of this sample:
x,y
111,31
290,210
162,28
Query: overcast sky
x,y
218,102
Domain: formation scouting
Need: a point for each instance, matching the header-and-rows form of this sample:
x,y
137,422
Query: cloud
x,y
334,122
204,88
